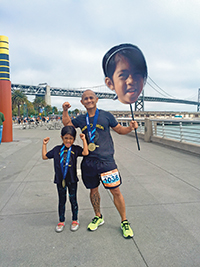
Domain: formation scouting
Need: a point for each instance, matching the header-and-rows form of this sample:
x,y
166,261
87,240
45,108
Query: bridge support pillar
x,y
47,96
148,130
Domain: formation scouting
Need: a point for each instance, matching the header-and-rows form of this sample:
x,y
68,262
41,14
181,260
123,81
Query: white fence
x,y
180,133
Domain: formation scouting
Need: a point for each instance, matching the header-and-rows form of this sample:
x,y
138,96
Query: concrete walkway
x,y
161,187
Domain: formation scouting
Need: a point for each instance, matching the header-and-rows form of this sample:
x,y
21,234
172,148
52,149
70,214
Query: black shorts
x,y
92,168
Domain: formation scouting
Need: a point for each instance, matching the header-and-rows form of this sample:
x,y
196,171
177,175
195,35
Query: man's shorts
x,y
92,170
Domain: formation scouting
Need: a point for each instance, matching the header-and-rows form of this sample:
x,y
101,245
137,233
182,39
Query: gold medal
x,y
63,183
91,147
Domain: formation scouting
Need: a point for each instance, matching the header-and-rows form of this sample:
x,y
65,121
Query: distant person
x,y
100,165
65,161
37,121
43,119
125,71
2,119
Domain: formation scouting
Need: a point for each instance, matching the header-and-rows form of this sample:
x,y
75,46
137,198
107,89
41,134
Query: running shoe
x,y
127,231
96,222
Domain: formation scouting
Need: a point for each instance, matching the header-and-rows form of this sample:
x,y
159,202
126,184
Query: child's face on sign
x,y
126,81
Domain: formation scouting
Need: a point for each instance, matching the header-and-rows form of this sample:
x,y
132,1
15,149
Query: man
x,y
100,164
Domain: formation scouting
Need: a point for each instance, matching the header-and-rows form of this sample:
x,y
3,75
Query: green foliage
x,y
48,109
55,110
21,106
76,111
18,99
39,103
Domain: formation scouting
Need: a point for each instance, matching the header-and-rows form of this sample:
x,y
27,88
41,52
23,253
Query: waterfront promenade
x,y
161,187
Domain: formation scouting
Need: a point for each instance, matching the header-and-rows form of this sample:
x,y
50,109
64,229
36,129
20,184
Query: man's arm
x,y
66,120
125,130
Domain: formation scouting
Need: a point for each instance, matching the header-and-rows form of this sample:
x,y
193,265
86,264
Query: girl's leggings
x,y
62,196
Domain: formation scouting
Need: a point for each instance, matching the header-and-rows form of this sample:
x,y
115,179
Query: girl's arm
x,y
44,147
125,130
85,145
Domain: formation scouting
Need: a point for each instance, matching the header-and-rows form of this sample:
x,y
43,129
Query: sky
x,y
62,43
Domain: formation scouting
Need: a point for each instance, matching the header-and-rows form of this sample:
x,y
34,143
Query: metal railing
x,y
125,122
182,130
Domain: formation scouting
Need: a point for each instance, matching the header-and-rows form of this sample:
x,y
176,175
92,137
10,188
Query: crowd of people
x,y
34,121
31,119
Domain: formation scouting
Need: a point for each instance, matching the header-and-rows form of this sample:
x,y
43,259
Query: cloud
x,y
63,42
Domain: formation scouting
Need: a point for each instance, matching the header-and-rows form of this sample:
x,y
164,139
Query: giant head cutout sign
x,y
125,72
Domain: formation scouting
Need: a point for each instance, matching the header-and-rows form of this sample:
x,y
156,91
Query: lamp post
x,y
25,110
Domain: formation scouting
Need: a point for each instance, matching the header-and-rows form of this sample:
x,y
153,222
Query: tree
x,y
30,107
76,111
18,99
55,110
48,109
39,103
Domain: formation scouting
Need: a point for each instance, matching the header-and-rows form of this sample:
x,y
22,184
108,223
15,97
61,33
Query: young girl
x,y
125,71
65,160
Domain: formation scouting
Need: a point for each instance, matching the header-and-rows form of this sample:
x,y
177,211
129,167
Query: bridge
x,y
46,91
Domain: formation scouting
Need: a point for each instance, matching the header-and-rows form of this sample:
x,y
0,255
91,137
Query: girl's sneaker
x,y
74,225
60,227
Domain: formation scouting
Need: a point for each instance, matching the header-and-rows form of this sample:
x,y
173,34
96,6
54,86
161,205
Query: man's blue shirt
x,y
103,139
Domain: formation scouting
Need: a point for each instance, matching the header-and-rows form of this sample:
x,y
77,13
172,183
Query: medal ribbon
x,y
64,170
92,131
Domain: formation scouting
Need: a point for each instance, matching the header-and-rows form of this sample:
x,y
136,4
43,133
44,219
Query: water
x,y
187,133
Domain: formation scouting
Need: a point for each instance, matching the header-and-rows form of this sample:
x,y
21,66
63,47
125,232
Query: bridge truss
x,y
56,91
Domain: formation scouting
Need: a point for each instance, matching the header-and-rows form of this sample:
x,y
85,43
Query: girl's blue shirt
x,y
72,169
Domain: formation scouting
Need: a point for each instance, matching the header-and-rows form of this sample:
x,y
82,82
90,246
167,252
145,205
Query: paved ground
x,y
161,187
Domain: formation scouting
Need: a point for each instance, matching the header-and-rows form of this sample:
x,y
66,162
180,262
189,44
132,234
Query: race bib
x,y
111,179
